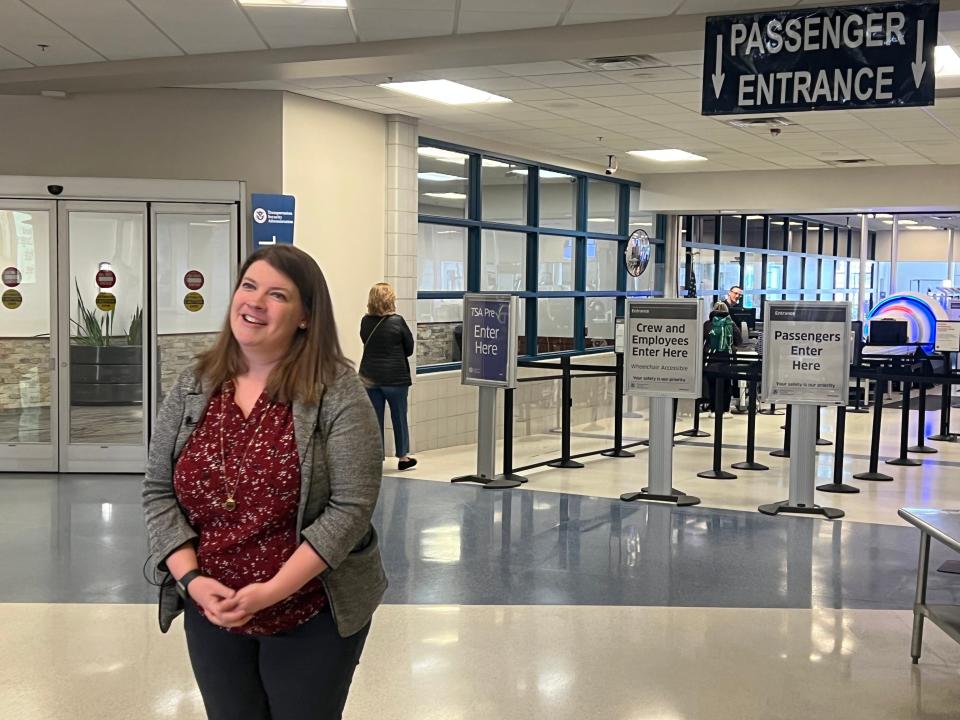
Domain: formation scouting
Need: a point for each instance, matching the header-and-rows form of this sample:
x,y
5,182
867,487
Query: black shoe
x,y
407,464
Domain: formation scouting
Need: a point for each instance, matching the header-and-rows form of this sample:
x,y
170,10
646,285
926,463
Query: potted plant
x,y
105,369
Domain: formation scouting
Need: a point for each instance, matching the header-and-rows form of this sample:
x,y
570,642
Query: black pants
x,y
303,674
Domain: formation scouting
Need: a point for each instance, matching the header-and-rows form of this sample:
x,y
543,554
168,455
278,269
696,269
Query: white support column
x,y
860,314
894,254
400,246
951,253
671,257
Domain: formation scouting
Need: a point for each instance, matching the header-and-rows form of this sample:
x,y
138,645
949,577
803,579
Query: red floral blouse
x,y
251,542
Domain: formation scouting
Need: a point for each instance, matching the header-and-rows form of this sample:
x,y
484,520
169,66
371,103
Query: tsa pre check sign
x,y
664,349
806,349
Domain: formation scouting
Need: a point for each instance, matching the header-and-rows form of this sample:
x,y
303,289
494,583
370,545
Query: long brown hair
x,y
315,353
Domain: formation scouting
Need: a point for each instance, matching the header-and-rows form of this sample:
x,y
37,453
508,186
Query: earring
x,y
303,326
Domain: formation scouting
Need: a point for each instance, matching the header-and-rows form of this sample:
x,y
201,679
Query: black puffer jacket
x,y
387,343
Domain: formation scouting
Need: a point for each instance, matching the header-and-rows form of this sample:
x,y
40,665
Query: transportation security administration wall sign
x,y
837,58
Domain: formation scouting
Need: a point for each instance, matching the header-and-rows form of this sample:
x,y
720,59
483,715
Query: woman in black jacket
x,y
387,343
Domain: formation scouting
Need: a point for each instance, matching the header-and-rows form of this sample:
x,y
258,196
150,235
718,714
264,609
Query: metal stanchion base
x,y
749,466
618,453
823,441
838,488
785,507
878,476
780,453
693,433
770,412
950,437
679,500
497,483
950,566
673,491
717,475
739,411
565,464
645,443
904,462
858,411
923,449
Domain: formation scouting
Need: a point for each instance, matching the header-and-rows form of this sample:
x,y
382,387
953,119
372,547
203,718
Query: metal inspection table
x,y
943,525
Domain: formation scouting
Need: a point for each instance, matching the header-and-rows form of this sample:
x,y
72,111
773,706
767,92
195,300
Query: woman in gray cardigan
x,y
262,477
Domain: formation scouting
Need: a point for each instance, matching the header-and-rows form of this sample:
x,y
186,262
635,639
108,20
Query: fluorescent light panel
x,y
544,174
447,195
946,62
445,91
438,177
902,222
669,155
921,227
322,4
456,158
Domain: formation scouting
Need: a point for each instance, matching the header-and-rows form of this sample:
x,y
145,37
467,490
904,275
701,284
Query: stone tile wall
x,y
24,373
177,353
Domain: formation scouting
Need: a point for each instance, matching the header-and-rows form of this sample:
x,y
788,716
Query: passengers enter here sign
x,y
664,348
860,56
806,353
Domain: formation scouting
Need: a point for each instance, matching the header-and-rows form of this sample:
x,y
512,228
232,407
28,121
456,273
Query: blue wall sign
x,y
489,340
834,58
272,219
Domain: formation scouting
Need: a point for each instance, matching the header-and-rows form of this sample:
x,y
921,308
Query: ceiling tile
x,y
211,26
729,7
9,61
22,30
486,21
126,35
435,5
329,82
300,27
465,74
375,25
553,67
572,79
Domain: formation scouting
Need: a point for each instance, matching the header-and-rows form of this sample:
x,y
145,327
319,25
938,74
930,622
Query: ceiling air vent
x,y
619,62
774,121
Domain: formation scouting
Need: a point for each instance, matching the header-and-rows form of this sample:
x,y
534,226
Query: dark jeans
x,y
396,396
301,674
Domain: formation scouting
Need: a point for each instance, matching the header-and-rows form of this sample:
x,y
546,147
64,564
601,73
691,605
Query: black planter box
x,y
106,375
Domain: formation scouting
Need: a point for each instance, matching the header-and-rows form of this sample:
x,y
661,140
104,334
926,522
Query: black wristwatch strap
x,y
183,582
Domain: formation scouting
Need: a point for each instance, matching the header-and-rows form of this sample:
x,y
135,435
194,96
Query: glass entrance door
x,y
28,369
103,358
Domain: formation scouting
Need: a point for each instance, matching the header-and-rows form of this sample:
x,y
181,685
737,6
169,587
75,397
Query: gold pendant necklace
x,y
231,502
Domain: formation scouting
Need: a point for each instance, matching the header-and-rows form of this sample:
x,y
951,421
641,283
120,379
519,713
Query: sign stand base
x,y
803,467
487,446
660,459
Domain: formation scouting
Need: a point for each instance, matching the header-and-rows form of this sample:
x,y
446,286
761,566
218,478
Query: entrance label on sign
x,y
193,301
489,340
193,280
806,349
861,56
948,336
11,277
12,299
664,348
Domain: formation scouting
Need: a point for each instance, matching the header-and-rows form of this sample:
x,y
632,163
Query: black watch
x,y
183,582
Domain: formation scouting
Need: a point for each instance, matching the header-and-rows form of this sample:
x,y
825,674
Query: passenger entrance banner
x,y
664,348
835,58
489,340
948,336
806,353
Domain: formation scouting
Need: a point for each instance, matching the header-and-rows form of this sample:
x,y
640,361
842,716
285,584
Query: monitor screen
x,y
745,315
888,332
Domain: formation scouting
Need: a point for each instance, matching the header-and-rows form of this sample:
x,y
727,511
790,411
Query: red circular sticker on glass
x,y
106,279
193,280
11,277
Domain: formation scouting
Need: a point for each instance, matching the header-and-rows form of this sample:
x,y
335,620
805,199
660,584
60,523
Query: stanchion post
x,y
821,440
750,463
566,404
618,450
945,404
508,473
719,405
921,446
857,406
784,452
487,445
879,389
838,486
902,460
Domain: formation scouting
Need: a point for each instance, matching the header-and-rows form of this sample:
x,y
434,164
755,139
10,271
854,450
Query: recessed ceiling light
x,y
754,217
447,196
545,174
487,162
445,91
601,220
883,215
670,155
946,62
325,4
921,227
441,154
902,222
438,177
448,232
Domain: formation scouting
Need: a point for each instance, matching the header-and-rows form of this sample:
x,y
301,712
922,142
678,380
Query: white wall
x,y
334,161
915,245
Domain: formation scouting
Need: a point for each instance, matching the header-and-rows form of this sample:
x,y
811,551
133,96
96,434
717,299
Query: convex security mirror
x,y
637,255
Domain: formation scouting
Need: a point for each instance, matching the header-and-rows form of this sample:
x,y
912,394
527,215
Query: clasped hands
x,y
232,608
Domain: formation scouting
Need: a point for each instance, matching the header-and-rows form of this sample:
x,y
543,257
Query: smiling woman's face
x,y
266,310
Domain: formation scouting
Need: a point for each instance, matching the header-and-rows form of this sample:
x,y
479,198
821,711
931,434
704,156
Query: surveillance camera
x,y
55,189
612,165
775,132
